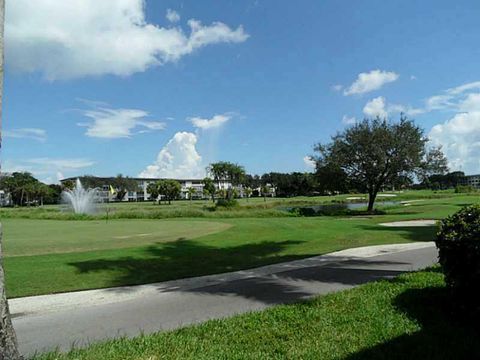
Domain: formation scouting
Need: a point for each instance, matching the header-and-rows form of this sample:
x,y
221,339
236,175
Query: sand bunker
x,y
410,223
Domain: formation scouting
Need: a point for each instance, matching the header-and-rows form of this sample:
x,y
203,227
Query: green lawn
x,y
245,243
406,318
47,256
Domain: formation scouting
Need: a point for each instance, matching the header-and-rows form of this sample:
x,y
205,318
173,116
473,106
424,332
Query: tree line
x,y
24,189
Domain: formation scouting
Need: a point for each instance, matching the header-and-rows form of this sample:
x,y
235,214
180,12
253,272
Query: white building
x,y
472,180
142,194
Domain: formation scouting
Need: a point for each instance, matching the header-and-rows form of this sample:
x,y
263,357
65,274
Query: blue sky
x,y
139,88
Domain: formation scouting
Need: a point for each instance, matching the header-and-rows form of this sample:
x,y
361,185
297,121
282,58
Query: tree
x,y
224,171
8,339
170,189
435,164
152,190
20,185
124,184
376,152
248,192
191,191
265,190
209,188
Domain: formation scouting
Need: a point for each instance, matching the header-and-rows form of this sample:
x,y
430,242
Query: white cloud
x,y
172,16
373,80
178,159
460,141
77,38
471,103
463,88
376,108
26,133
457,99
118,123
309,163
348,120
337,87
206,124
48,170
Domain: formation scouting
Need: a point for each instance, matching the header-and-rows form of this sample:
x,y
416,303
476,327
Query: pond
x,y
333,209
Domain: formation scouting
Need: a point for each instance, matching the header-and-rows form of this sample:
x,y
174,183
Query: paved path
x,y
63,320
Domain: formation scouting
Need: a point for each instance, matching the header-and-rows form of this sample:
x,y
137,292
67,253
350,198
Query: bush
x,y
461,189
458,242
225,203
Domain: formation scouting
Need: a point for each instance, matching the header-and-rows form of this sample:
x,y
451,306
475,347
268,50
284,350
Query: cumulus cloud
x,y
376,108
460,141
379,107
309,163
347,120
77,38
206,124
373,80
337,87
172,16
26,133
118,123
178,159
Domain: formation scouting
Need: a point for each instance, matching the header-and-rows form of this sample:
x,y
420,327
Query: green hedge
x,y
458,241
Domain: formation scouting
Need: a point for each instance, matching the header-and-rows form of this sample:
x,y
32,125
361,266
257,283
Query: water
x,y
326,209
81,200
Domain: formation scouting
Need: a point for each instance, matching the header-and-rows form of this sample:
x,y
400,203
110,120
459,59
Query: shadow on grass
x,y
411,233
442,335
186,258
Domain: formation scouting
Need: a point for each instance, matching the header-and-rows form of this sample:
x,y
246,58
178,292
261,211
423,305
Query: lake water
x,y
332,208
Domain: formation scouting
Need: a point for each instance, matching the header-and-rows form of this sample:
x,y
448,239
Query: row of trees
x,y
24,189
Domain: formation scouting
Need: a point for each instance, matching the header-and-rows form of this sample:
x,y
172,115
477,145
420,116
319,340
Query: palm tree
x,y
191,191
248,192
8,339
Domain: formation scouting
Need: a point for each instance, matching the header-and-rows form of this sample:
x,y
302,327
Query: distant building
x,y
5,198
142,194
472,180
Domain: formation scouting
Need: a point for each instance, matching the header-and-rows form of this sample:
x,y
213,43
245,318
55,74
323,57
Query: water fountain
x,y
81,200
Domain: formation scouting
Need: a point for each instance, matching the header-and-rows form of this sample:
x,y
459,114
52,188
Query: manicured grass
x,y
246,243
406,318
47,256
40,237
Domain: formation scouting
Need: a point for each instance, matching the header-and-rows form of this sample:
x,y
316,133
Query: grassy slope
x,y
249,242
406,318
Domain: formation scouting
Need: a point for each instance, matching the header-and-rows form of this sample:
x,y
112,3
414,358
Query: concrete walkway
x,y
75,319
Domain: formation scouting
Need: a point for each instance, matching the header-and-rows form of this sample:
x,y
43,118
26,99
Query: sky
x,y
163,88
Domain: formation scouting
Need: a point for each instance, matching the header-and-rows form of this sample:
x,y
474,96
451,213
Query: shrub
x,y
464,189
458,242
226,203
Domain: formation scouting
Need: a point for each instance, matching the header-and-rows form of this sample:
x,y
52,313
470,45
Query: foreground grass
x,y
406,318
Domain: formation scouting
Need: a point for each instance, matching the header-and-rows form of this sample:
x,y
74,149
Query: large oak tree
x,y
376,152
